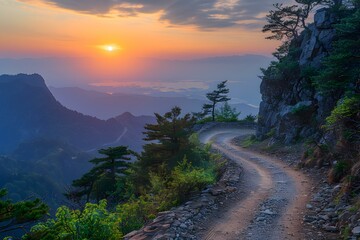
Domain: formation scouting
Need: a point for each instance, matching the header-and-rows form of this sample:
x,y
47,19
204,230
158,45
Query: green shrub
x,y
271,133
226,114
187,179
248,141
249,119
135,213
339,170
94,222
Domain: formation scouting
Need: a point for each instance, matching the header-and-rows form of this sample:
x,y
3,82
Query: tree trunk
x,y
213,112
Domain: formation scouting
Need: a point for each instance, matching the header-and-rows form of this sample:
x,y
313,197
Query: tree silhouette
x,y
287,21
215,97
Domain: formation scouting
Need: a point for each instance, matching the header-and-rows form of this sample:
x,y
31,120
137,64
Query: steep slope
x,y
28,110
291,107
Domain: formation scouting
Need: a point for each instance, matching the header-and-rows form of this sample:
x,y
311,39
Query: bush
x,y
135,213
248,141
338,171
249,118
184,180
226,114
187,179
94,222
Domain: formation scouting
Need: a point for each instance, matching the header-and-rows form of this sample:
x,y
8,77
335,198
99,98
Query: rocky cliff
x,y
291,108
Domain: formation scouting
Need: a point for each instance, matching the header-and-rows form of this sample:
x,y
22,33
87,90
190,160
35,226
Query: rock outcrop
x,y
291,109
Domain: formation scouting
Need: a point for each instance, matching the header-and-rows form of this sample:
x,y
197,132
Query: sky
x,y
114,40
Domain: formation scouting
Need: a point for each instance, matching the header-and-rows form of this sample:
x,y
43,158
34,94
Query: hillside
x,y
29,110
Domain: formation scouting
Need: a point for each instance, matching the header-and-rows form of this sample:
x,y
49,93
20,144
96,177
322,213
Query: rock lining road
x,y
272,197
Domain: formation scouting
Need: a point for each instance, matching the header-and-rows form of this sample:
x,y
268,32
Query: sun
x,y
110,48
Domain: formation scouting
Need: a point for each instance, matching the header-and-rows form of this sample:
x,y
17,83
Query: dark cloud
x,y
204,14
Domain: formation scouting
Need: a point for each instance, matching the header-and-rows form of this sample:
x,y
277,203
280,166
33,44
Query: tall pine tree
x,y
217,96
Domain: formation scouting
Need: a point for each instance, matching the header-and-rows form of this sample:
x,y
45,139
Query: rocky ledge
x,y
330,211
183,222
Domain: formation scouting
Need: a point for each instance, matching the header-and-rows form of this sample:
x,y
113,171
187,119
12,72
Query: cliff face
x,y
291,108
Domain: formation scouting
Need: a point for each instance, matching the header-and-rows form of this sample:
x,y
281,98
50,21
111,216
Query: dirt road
x,y
272,195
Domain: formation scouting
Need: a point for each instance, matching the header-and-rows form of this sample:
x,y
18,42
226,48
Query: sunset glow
x,y
115,40
110,47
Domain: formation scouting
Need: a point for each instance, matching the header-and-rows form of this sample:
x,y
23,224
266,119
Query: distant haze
x,y
105,106
190,78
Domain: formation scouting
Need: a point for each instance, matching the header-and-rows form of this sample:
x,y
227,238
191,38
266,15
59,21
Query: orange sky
x,y
35,29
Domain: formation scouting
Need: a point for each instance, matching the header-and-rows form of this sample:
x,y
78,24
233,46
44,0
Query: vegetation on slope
x,y
118,196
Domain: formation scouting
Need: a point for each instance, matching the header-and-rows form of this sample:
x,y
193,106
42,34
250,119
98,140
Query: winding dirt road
x,y
272,197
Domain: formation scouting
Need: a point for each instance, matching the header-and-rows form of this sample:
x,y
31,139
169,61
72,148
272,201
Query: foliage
x,y
169,143
345,119
286,67
271,133
249,118
184,180
101,181
226,114
339,170
16,215
287,21
135,213
171,168
249,141
341,70
299,109
217,96
94,222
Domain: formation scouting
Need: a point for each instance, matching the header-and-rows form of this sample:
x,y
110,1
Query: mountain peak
x,y
35,79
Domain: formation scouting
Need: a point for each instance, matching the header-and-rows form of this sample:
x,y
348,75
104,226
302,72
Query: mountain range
x,y
105,105
44,145
28,111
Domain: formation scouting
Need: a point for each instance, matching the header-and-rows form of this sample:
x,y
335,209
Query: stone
x,y
356,231
183,225
324,217
309,206
268,212
330,228
259,219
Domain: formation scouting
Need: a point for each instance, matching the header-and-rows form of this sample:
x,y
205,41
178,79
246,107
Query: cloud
x,y
204,14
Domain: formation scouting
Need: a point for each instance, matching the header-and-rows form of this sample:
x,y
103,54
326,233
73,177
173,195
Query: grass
x,y
249,141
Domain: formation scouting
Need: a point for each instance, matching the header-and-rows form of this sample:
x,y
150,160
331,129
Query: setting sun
x,y
110,47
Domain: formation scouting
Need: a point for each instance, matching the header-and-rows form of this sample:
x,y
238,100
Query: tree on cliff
x,y
102,180
217,96
287,21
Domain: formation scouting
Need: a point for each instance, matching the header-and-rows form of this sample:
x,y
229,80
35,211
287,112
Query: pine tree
x,y
17,215
101,181
169,143
217,96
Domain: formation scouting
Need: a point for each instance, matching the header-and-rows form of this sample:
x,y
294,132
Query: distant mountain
x,y
104,105
47,145
28,110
